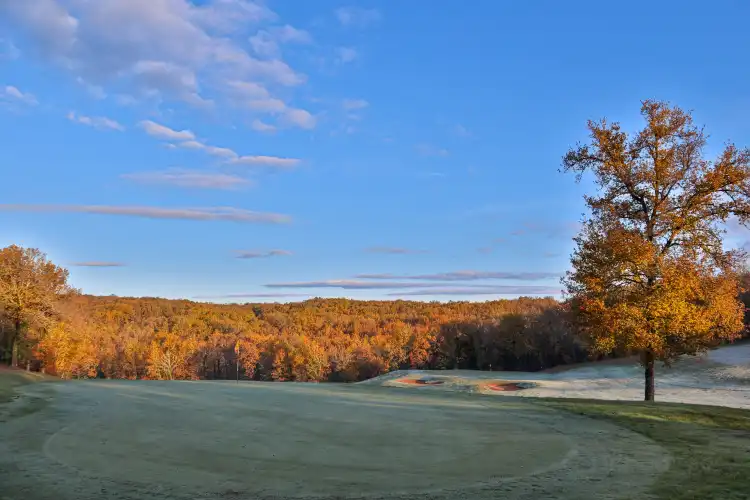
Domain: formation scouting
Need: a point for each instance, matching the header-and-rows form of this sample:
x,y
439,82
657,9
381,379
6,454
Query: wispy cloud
x,y
198,214
97,122
267,43
465,276
356,284
345,55
432,175
13,94
394,250
94,91
190,179
357,16
496,290
8,50
461,131
430,150
254,254
97,264
212,150
354,104
485,250
162,132
252,296
261,126
269,161
299,118
257,98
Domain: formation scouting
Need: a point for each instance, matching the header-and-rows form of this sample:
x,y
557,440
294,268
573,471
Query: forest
x,y
316,340
47,325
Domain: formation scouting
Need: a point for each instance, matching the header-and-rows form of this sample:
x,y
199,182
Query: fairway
x,y
128,439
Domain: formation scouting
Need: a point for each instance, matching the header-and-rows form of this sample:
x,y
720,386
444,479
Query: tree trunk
x,y
14,345
649,363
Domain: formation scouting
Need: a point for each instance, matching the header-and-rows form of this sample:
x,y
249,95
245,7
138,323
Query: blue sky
x,y
231,150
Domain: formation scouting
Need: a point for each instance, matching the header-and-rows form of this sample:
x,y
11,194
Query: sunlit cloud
x,y
197,214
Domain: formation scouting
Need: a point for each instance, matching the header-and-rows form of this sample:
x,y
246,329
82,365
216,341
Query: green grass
x,y
10,380
710,445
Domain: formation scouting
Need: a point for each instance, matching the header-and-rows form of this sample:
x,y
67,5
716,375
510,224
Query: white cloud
x,y
357,16
247,90
290,34
270,161
353,104
260,126
153,49
198,214
299,118
467,276
270,105
365,285
223,152
493,290
162,132
190,179
252,296
95,91
187,140
264,45
255,254
258,99
97,263
126,100
267,43
98,122
13,94
345,55
227,16
212,150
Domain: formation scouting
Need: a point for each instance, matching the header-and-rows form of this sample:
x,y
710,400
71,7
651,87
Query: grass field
x,y
12,379
179,440
710,445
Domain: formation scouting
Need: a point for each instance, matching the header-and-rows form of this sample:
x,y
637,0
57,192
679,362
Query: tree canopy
x,y
30,287
650,273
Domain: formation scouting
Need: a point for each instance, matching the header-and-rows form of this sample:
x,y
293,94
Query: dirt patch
x,y
419,381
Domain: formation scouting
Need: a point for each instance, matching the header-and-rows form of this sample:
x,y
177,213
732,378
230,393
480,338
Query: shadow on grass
x,y
12,403
710,445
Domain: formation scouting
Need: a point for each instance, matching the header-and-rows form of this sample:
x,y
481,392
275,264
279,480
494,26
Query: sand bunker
x,y
505,386
420,381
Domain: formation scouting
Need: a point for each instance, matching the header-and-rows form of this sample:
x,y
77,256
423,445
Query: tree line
x,y
650,275
316,340
47,325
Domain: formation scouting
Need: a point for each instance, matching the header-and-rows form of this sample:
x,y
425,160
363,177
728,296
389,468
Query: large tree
x,y
30,286
650,273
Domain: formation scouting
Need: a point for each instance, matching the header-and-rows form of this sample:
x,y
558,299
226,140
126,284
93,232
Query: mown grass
x,y
10,380
710,445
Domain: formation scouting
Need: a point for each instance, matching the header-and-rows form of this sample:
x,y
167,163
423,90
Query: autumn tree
x,y
172,357
30,286
649,273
